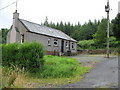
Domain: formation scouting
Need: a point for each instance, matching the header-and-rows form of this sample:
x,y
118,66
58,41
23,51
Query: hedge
x,y
27,55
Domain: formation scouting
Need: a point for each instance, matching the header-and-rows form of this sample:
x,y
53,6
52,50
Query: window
x,y
55,42
22,38
49,42
66,44
72,45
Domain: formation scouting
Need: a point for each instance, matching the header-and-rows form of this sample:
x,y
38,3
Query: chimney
x,y
15,18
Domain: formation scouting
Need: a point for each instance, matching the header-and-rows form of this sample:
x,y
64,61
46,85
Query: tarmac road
x,y
103,75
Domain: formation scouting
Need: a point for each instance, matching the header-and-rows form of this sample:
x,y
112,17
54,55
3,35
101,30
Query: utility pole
x,y
107,9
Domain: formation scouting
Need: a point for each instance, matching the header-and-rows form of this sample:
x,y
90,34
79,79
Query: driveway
x,y
103,75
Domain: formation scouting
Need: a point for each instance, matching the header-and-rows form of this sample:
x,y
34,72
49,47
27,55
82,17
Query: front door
x,y
62,46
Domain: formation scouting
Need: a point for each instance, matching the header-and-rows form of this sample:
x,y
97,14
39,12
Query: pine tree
x,y
100,35
46,21
116,26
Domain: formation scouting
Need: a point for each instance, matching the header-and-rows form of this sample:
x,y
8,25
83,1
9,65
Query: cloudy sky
x,y
56,10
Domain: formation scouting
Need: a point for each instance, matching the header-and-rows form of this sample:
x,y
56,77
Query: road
x,y
103,75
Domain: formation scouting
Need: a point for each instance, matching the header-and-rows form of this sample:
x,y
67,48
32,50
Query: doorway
x,y
62,46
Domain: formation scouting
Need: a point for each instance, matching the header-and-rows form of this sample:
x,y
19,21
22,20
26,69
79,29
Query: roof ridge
x,y
51,31
30,22
42,25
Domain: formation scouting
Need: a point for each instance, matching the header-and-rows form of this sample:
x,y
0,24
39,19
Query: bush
x,y
27,55
86,44
9,54
113,42
91,44
31,54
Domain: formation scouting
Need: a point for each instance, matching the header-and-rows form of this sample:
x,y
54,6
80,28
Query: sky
x,y
56,10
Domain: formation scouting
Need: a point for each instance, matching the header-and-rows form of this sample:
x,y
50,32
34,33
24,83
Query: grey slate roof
x,y
36,28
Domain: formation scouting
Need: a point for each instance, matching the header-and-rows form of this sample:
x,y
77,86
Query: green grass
x,y
58,67
56,71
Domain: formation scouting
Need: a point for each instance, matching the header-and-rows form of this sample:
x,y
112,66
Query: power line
x,y
7,6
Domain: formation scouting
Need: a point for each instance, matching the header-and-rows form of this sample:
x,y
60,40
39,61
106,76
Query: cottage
x,y
55,41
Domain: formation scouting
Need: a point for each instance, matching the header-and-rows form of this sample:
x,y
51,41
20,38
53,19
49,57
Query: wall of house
x,y
50,48
8,36
72,49
11,36
22,31
14,34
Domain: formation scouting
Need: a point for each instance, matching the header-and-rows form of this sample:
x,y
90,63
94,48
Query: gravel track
x,y
103,75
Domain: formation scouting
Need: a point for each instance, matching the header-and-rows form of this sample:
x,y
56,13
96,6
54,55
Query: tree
x,y
101,35
46,21
87,30
76,35
116,26
3,33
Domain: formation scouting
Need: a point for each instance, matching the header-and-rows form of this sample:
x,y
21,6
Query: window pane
x,y
66,44
55,42
72,45
49,41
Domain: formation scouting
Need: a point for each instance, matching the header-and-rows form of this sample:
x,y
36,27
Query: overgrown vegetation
x,y
13,76
55,71
22,62
18,78
56,67
92,45
86,44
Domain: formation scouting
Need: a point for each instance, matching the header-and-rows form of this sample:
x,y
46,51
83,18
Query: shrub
x,y
86,44
9,54
91,44
113,42
31,56
27,55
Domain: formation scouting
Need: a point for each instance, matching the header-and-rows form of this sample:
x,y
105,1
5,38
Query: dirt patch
x,y
91,64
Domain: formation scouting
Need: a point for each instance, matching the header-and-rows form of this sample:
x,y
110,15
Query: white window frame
x,y
49,41
67,44
22,38
55,41
73,45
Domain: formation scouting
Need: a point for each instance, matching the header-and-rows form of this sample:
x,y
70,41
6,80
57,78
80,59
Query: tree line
x,y
96,31
88,30
77,31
